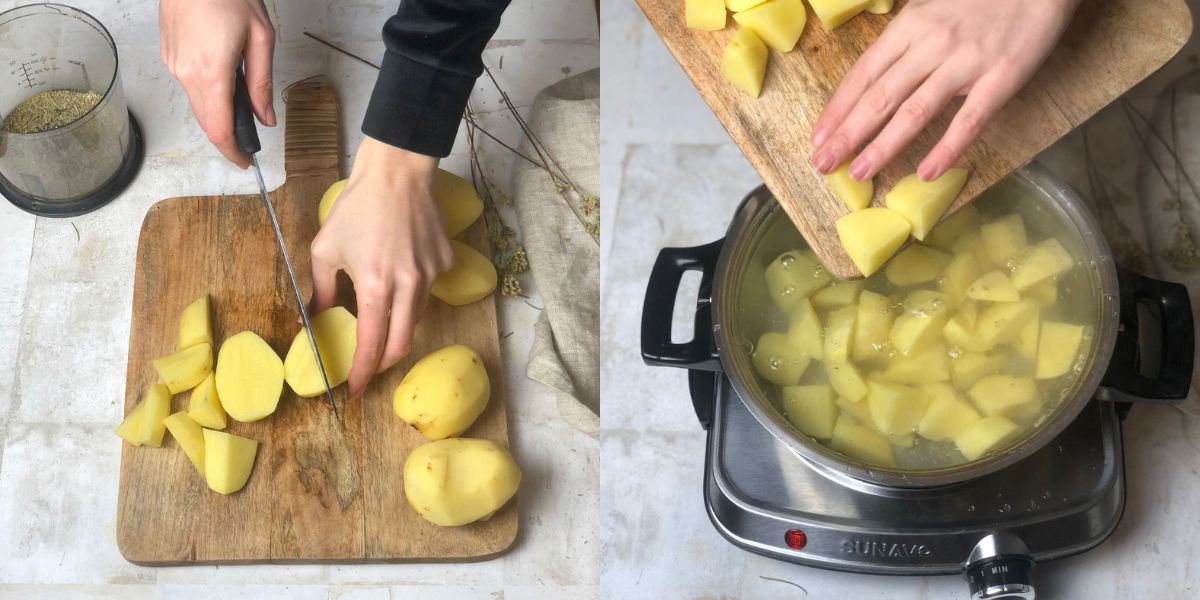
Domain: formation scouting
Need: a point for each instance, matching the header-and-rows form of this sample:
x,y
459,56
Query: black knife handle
x,y
244,128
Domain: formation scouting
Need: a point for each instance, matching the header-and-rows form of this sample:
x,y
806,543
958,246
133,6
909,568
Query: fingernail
x,y
818,136
823,162
271,116
860,168
929,172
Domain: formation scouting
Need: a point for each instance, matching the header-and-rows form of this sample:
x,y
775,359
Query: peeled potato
x,y
871,236
948,230
460,205
793,275
228,460
745,62
1026,343
336,332
195,324
249,377
838,334
740,5
778,23
972,242
845,379
143,426
946,415
804,330
970,367
471,278
925,313
837,294
855,194
1003,237
960,332
984,436
833,13
873,323
1044,261
131,427
880,7
444,392
185,369
895,409
916,264
705,15
993,286
1002,321
1006,396
922,203
1044,293
204,407
190,436
328,199
859,442
777,360
1058,349
458,481
811,408
923,366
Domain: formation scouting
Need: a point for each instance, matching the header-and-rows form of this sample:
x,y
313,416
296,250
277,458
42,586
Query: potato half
x,y
336,332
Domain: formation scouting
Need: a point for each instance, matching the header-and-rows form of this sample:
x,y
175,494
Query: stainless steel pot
x,y
1113,370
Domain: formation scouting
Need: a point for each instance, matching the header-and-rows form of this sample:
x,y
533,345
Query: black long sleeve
x,y
434,50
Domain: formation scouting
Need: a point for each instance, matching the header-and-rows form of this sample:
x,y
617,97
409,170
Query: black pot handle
x,y
1124,381
657,348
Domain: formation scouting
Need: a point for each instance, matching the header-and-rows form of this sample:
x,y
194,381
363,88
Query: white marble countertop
x,y
65,294
672,177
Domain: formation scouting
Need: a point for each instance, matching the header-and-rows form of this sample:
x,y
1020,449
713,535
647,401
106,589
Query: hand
x,y
203,42
386,233
931,52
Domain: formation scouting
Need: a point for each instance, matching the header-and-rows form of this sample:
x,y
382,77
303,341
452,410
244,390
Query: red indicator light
x,y
795,539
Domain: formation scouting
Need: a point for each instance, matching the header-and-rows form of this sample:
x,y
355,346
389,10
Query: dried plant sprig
x,y
508,255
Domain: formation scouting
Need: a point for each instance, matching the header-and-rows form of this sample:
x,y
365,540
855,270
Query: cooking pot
x,y
1119,364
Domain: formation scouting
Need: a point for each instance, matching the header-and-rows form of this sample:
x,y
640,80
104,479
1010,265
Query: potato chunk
x,y
737,6
228,460
745,62
880,7
925,313
946,415
895,409
190,436
948,230
195,324
811,408
960,273
1003,238
444,392
923,366
705,15
1044,261
1002,322
460,205
972,242
158,405
471,278
855,194
873,323
1044,293
249,377
871,236
960,332
336,332
777,360
857,441
922,203
916,264
993,286
793,275
185,369
833,13
1006,396
458,481
1058,349
1026,344
804,329
778,23
845,379
973,366
204,407
984,436
130,428
837,294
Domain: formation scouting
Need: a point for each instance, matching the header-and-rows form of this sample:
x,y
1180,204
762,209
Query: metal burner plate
x,y
1062,500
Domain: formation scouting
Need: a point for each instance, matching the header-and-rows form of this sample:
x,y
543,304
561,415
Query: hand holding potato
x,y
931,52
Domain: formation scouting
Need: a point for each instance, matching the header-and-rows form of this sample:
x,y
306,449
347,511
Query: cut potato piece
x,y
793,275
895,409
471,278
871,236
873,324
1006,396
130,429
804,330
962,271
458,481
1046,260
993,287
946,415
1002,322
973,366
335,330
985,436
705,15
925,313
945,233
249,377
927,365
1003,238
833,13
1026,344
972,242
859,442
845,379
778,23
811,408
916,264
922,203
745,62
195,324
228,460
185,369
740,5
777,360
860,410
190,436
855,194
958,333
1058,349
158,405
205,406
837,294
460,204
444,392
880,7
839,333
1044,293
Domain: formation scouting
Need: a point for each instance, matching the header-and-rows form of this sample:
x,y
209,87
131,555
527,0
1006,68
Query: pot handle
x,y
1177,345
659,306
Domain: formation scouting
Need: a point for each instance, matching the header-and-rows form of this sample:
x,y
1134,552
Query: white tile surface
x,y
64,327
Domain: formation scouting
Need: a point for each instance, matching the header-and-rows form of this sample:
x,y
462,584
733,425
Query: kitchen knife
x,y
246,133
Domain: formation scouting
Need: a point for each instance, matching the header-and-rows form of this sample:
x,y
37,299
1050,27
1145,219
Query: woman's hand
x,y
386,233
202,43
931,52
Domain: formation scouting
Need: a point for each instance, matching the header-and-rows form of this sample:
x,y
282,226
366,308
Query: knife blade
x,y
246,133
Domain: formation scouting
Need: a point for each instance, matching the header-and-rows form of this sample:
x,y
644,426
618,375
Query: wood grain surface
x,y
1109,47
318,492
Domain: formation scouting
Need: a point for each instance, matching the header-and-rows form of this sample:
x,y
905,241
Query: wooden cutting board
x,y
1109,47
318,493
